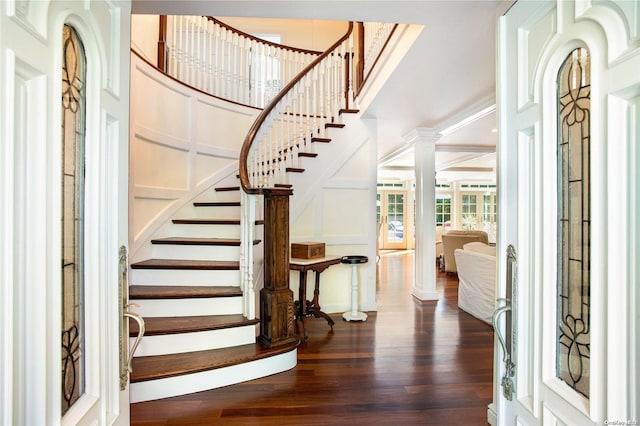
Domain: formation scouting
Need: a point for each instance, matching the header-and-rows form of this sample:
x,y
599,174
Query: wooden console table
x,y
303,307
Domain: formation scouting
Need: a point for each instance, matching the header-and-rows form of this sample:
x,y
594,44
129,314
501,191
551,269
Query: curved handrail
x,y
259,40
255,127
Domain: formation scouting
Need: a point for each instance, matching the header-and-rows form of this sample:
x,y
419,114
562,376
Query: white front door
x,y
568,159
64,209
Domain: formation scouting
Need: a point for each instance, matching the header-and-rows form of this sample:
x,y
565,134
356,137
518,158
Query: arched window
x,y
574,233
73,172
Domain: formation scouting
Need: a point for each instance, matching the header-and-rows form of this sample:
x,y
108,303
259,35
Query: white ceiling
x,y
446,76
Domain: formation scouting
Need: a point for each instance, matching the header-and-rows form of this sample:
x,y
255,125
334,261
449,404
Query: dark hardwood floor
x,y
411,362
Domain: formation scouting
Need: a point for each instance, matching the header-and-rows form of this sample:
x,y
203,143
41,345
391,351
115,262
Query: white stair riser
x,y
188,307
197,277
211,379
224,212
195,252
195,341
222,195
205,231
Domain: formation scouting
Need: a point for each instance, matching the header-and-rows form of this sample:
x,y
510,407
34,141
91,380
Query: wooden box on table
x,y
307,250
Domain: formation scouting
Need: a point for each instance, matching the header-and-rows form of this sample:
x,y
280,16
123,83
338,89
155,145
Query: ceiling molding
x,y
397,168
476,111
398,152
467,169
457,162
480,149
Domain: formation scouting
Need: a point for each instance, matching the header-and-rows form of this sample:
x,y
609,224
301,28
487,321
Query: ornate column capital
x,y
422,134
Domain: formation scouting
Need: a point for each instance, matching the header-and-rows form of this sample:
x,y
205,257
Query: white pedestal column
x,y
354,314
424,140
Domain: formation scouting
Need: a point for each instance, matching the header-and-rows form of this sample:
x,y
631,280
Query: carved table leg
x,y
317,311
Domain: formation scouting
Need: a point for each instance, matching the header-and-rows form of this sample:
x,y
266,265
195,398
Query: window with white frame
x,y
478,208
443,209
469,211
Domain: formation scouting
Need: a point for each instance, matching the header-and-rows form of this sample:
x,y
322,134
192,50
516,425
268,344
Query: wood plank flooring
x,y
418,363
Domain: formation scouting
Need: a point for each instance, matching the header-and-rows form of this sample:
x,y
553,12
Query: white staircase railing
x,y
222,61
376,35
297,115
247,231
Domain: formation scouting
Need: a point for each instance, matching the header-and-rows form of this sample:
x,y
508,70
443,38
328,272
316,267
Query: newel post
x,y
276,299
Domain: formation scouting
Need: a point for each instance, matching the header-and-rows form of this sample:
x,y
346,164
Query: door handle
x,y
507,379
141,330
126,355
507,342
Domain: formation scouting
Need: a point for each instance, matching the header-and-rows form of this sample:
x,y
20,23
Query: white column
x,y
424,140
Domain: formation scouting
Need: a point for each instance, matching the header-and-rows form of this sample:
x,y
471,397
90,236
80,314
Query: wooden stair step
x,y
171,365
207,221
334,126
217,204
211,222
196,241
307,154
158,326
187,264
181,291
228,188
294,170
283,185
322,140
349,111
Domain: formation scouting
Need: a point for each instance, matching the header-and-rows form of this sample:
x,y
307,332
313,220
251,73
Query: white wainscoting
x,y
183,143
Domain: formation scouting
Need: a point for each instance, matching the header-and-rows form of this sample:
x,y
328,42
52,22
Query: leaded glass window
x,y
573,345
73,171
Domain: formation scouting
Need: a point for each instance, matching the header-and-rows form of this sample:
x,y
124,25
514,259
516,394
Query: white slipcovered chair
x,y
455,239
476,264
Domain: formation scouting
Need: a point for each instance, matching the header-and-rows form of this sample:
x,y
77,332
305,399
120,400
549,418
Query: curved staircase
x,y
200,330
189,295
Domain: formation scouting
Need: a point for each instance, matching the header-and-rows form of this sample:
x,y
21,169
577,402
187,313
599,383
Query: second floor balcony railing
x,y
225,62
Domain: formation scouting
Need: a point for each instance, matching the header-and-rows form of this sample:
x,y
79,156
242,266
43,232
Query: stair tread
x,y
181,291
217,204
163,366
228,188
199,241
207,221
349,111
156,326
307,154
283,185
199,221
334,125
323,140
294,169
186,264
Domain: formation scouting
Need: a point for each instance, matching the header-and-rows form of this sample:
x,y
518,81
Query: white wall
x,y
144,36
334,202
182,143
304,34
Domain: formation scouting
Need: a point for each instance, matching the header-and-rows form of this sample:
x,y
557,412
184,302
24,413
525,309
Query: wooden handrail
x,y
253,131
259,40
